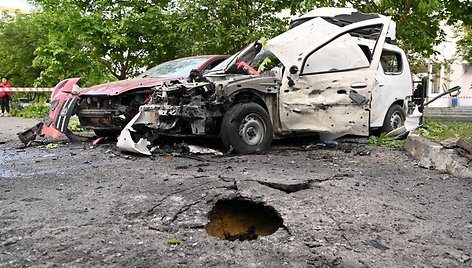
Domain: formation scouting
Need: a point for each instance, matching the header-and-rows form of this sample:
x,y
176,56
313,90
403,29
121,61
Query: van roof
x,y
341,17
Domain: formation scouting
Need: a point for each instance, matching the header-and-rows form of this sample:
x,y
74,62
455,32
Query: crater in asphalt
x,y
239,219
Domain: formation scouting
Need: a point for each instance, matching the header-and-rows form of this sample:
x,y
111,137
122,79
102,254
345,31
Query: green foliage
x,y
52,145
67,52
418,64
74,124
458,11
418,22
437,131
465,46
268,63
104,40
224,26
101,39
19,39
37,110
385,141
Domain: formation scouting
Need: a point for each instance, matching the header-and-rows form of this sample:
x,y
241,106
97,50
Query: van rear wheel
x,y
247,128
394,119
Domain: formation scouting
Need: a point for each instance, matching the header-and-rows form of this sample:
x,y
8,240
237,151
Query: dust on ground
x,y
349,206
10,126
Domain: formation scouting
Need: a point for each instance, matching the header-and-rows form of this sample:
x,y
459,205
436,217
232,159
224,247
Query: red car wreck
x,y
107,108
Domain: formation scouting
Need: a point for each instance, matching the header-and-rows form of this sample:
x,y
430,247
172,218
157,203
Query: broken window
x,y
344,52
391,62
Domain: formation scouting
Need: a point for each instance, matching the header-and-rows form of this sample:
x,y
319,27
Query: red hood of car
x,y
120,87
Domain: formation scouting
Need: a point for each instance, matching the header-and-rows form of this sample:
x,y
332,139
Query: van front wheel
x,y
394,119
247,128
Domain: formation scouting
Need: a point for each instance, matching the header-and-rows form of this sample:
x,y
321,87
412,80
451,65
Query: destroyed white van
x,y
333,74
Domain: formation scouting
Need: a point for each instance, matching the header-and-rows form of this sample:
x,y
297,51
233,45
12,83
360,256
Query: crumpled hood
x,y
289,46
123,86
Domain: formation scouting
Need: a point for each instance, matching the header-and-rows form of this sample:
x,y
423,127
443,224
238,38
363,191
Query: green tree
x,y
418,22
224,26
102,39
460,14
67,52
20,35
465,45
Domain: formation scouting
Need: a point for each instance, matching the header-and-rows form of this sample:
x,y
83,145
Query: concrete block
x,y
461,143
432,155
457,143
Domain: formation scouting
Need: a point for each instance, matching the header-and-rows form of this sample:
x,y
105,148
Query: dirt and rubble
x,y
345,205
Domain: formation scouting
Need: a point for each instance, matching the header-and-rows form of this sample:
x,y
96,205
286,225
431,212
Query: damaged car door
x,y
327,87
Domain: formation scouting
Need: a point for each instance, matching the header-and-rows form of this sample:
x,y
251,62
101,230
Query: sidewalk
x,y
9,126
450,114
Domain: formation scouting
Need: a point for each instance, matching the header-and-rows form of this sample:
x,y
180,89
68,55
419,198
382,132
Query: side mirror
x,y
293,69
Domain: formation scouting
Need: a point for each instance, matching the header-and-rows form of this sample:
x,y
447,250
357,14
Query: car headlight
x,y
75,89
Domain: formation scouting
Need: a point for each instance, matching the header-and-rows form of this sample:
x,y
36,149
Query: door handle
x,y
359,85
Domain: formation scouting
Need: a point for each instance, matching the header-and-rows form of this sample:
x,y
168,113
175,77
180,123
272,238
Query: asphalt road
x,y
10,126
78,205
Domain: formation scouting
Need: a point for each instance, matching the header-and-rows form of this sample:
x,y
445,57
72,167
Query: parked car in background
x,y
21,103
107,108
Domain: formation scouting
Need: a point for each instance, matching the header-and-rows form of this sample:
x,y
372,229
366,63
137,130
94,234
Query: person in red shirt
x,y
5,98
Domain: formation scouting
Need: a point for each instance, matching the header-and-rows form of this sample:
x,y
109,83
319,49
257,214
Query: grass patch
x,y
439,131
385,141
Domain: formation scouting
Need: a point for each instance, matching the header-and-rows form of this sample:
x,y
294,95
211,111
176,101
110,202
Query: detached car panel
x,y
62,104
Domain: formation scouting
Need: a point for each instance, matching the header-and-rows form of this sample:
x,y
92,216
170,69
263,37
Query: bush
x,y
36,110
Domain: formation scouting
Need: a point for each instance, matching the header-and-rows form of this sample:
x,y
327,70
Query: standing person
x,y
5,98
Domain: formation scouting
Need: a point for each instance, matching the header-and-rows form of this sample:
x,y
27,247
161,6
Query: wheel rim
x,y
396,120
252,129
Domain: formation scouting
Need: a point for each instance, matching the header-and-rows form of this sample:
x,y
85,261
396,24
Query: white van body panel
x,y
392,87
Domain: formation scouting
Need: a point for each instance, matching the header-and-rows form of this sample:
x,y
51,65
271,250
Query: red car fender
x,y
62,101
64,88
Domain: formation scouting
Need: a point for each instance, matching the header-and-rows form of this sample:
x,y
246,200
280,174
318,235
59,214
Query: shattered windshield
x,y
174,68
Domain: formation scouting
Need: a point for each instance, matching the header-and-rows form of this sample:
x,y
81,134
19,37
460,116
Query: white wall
x,y
460,71
461,75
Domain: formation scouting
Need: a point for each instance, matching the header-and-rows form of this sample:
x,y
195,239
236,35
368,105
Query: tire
x,y
395,118
247,128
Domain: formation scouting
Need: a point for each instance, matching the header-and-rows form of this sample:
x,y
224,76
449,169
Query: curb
x,y
434,155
